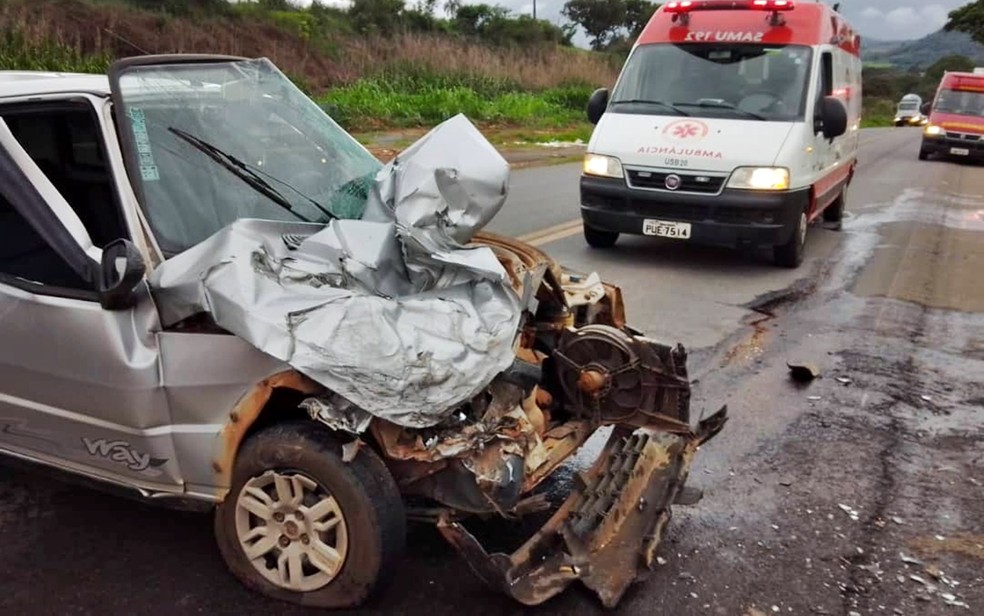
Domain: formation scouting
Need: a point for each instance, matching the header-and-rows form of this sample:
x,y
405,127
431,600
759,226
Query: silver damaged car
x,y
212,296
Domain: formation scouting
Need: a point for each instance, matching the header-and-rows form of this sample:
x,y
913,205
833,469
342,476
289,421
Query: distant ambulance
x,y
956,121
733,122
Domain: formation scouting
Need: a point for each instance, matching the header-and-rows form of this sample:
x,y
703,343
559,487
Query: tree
x,y
969,19
637,15
600,19
369,16
610,22
954,62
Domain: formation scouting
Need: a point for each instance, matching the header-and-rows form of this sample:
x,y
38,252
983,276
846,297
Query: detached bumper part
x,y
607,531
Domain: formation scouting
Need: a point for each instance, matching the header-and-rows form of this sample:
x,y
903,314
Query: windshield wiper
x,y
247,174
643,101
723,105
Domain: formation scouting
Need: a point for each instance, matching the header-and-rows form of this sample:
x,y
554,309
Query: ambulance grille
x,y
689,182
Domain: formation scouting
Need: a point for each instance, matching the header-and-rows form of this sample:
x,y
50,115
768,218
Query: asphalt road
x,y
812,493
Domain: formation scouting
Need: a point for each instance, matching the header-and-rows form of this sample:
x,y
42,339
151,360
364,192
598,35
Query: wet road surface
x,y
812,493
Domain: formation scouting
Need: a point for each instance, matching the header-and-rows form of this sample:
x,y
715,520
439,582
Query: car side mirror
x,y
833,117
122,269
597,105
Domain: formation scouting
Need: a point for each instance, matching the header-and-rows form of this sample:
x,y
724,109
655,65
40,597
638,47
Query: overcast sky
x,y
877,19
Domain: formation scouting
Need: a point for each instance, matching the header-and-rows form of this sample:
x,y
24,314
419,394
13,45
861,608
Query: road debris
x,y
803,373
852,513
911,560
843,380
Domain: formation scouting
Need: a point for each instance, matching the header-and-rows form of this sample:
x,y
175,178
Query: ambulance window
x,y
827,74
752,82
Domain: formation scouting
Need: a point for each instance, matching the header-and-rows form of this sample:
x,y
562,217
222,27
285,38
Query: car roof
x,y
25,83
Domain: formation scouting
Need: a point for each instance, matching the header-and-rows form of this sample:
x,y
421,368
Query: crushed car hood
x,y
395,312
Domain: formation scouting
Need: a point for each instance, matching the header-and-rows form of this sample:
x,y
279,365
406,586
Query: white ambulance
x,y
733,122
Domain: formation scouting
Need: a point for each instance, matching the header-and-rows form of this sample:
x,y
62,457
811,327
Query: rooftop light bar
x,y
686,6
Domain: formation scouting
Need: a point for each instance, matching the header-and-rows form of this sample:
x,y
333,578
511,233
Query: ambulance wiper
x,y
643,101
724,105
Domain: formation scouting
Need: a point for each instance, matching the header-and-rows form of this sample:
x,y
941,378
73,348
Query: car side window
x,y
26,256
64,141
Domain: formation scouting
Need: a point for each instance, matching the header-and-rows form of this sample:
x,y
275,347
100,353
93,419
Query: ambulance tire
x,y
597,238
791,253
835,211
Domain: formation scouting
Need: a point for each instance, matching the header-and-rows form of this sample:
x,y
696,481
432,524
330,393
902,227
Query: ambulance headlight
x,y
760,178
933,131
604,166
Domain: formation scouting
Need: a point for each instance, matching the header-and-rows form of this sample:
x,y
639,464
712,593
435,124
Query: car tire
x,y
923,154
835,211
336,546
597,238
791,253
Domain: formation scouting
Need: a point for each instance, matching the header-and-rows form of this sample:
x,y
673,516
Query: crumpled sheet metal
x,y
392,312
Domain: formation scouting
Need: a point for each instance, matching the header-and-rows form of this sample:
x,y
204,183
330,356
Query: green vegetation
x,y
382,64
372,103
968,19
379,64
19,52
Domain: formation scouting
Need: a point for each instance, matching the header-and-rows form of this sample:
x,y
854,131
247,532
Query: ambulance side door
x,y
824,150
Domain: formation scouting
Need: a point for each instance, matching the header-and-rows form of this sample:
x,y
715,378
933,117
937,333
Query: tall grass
x,y
365,82
19,51
110,30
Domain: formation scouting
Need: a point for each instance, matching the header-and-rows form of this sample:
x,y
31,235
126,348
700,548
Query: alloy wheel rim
x,y
292,530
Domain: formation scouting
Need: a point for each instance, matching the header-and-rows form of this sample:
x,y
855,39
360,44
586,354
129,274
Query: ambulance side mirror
x,y
925,108
597,105
833,117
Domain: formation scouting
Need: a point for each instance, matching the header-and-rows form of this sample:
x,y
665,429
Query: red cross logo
x,y
683,130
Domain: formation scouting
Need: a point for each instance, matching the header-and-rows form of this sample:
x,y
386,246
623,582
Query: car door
x,y
80,386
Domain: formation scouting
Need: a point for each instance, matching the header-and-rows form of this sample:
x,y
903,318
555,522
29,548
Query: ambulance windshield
x,y
742,81
961,102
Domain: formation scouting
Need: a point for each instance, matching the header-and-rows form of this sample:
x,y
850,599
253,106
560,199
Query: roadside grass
x,y
877,121
877,113
378,103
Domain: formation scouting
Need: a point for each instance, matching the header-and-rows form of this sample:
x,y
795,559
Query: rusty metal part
x,y
247,410
531,258
606,533
593,381
614,377
558,445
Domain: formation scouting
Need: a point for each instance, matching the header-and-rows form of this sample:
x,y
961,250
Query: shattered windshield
x,y
961,102
216,142
743,81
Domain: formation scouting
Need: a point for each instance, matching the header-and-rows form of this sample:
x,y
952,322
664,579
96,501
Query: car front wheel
x,y
301,525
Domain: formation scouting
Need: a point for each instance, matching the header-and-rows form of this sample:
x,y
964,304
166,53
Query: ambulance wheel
x,y
790,254
835,211
596,238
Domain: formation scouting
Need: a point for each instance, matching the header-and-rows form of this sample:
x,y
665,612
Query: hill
x,y
920,54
